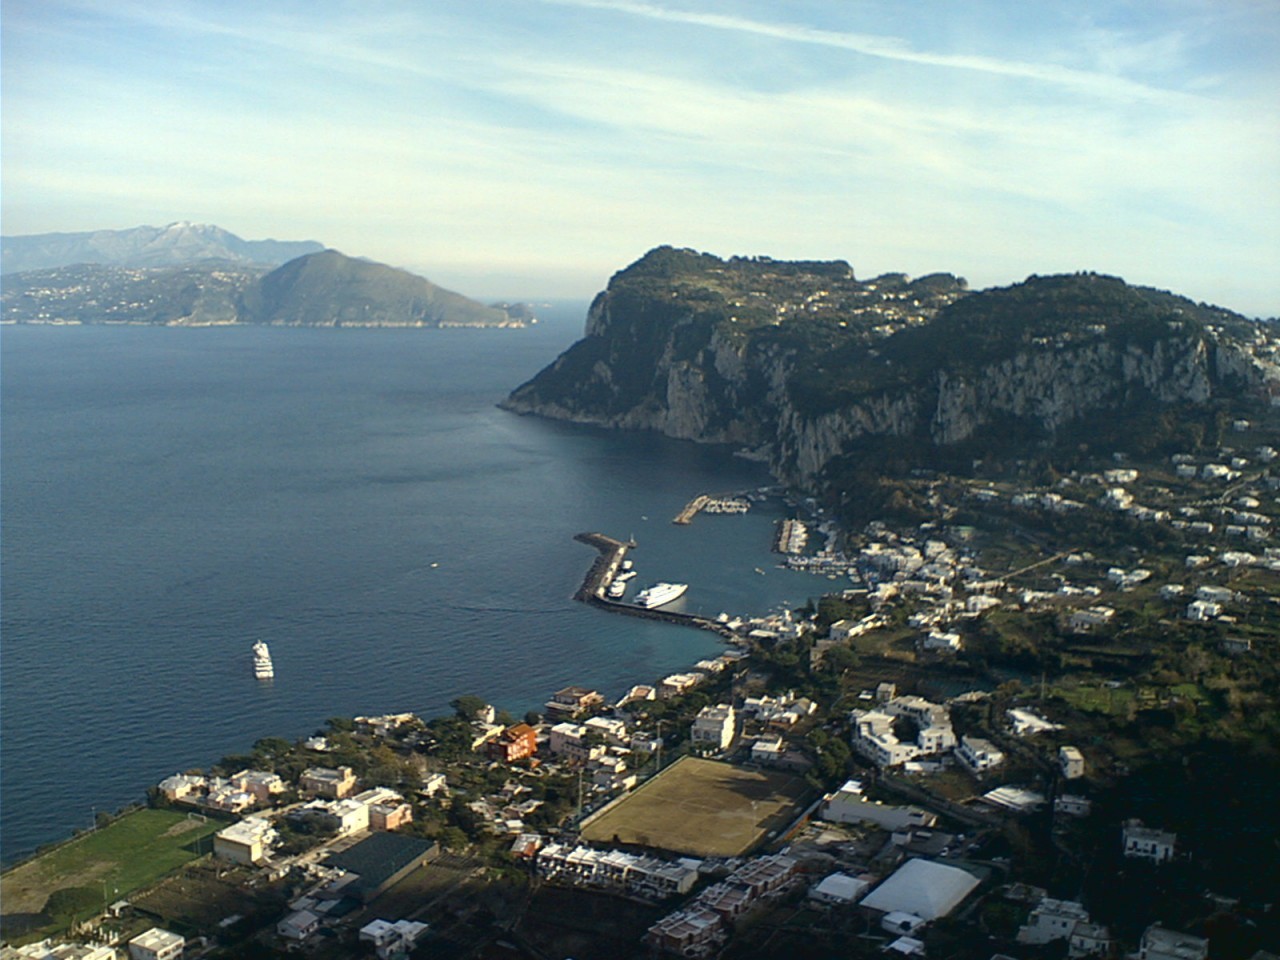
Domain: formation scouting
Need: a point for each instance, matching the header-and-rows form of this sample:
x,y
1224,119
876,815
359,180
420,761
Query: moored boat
x,y
660,593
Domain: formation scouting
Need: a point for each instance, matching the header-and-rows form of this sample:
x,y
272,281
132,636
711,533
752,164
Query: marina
x,y
708,504
691,509
600,576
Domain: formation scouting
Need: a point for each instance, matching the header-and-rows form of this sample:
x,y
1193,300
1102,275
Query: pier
x,y
686,515
724,503
605,568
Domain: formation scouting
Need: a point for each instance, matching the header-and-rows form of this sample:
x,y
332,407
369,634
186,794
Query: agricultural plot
x,y
203,895
702,808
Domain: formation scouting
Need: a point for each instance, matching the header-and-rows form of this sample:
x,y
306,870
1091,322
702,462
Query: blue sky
x,y
533,147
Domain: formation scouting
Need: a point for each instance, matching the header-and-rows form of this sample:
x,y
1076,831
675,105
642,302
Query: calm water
x,y
352,497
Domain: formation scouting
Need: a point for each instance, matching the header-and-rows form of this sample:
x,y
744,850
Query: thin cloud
x,y
888,48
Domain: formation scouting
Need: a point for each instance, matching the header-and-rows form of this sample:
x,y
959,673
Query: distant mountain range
x,y
177,244
199,275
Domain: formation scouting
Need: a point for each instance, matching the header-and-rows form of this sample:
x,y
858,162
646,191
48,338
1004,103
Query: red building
x,y
514,743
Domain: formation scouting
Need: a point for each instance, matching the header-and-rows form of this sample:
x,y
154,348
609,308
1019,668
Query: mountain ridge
x,y
808,366
179,243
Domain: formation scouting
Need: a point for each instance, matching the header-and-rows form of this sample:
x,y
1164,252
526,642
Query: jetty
x,y
605,567
727,503
686,515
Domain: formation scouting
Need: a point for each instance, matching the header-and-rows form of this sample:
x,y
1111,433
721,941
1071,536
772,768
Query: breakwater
x,y
605,567
691,508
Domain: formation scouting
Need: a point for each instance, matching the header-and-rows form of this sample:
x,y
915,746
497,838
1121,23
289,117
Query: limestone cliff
x,y
803,361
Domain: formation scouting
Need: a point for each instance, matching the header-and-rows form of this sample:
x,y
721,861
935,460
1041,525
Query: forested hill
x,y
807,364
325,288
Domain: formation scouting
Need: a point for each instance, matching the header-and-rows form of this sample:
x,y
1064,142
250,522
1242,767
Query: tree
x,y
468,706
840,659
272,747
66,904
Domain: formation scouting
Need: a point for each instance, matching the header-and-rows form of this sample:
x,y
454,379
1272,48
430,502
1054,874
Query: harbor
x,y
606,566
708,504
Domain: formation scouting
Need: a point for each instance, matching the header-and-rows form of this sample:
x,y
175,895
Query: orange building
x,y
514,743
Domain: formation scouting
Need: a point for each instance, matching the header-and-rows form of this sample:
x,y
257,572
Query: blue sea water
x,y
354,498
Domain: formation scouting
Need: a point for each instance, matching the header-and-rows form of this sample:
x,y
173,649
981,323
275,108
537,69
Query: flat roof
x,y
380,857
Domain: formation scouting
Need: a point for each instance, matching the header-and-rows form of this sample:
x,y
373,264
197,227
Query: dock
x,y
686,515
605,567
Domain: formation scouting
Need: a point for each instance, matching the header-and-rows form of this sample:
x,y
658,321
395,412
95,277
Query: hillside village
x,y
962,750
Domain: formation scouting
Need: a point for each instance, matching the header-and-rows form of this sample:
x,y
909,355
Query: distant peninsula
x,y
199,275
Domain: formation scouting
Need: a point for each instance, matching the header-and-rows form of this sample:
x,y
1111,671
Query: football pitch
x,y
703,808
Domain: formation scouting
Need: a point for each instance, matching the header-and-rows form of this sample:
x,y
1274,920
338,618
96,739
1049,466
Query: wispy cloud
x,y
890,48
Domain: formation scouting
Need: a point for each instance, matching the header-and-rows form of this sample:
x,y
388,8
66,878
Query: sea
x,y
356,499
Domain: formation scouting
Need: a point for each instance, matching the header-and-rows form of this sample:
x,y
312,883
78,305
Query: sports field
x,y
703,808
128,853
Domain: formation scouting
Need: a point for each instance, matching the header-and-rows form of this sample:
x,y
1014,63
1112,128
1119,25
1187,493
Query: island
x,y
1032,711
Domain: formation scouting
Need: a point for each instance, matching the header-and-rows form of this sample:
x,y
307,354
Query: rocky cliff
x,y
805,363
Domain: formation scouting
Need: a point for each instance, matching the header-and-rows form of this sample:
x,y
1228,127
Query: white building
x,y
298,925
1159,943
768,751
570,741
978,755
1148,843
156,944
1071,762
848,805
714,726
1052,920
247,842
1203,610
839,889
392,938
922,889
613,731
1082,621
48,950
627,873
875,737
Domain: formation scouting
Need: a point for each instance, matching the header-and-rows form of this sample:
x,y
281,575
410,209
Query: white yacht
x,y
660,593
263,668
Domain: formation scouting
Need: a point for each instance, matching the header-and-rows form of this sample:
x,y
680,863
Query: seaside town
x,y
991,737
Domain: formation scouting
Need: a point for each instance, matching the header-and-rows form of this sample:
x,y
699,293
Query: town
x,y
1008,729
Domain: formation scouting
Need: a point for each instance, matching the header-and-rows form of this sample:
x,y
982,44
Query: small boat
x,y
263,668
617,589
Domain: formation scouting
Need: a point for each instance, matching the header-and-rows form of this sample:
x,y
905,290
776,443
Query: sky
x,y
532,148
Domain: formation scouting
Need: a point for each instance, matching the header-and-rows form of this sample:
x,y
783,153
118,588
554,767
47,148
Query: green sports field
x,y
703,808
127,854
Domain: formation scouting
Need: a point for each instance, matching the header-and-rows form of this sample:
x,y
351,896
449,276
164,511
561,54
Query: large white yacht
x,y
660,593
263,668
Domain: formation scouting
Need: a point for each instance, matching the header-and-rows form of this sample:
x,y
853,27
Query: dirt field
x,y
703,808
